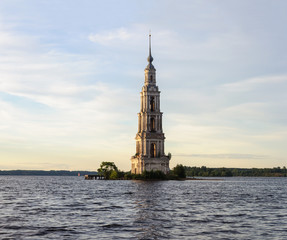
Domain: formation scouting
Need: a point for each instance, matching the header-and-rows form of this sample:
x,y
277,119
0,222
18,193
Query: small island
x,y
109,171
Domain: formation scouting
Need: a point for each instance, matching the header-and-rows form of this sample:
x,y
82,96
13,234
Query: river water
x,y
38,207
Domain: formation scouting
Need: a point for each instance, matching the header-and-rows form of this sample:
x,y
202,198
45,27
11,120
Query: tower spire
x,y
150,58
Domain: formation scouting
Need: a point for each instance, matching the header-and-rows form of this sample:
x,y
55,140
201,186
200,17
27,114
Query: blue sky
x,y
71,73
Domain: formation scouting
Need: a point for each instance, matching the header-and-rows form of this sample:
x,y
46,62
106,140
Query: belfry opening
x,y
150,154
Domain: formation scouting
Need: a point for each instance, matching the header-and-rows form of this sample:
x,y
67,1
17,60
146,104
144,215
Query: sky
x,y
71,73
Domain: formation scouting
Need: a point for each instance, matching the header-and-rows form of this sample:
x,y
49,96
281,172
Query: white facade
x,y
150,137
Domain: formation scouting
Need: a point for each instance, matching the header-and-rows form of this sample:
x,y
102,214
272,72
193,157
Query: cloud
x,y
252,83
135,36
224,156
245,111
105,38
60,91
53,100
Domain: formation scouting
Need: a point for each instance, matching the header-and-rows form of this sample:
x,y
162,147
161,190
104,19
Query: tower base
x,y
142,163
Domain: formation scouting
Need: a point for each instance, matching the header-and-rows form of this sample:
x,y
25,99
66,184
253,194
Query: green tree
x,y
114,175
127,175
179,171
107,168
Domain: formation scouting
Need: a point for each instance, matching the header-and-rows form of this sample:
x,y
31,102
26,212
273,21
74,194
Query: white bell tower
x,y
150,153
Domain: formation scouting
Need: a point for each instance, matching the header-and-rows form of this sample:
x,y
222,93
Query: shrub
x,y
179,171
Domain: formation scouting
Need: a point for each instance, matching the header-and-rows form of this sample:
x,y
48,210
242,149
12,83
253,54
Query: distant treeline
x,y
45,173
235,172
190,172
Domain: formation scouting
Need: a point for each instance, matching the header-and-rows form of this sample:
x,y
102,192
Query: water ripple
x,y
72,208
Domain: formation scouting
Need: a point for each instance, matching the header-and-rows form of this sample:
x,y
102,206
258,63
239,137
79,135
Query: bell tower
x,y
150,137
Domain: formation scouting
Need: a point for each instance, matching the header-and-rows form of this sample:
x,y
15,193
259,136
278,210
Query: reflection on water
x,y
72,208
152,213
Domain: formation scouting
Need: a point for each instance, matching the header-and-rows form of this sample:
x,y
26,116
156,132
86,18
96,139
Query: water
x,y
33,207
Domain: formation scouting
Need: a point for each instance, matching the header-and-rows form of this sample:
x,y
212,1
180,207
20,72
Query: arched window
x,y
137,148
153,150
151,78
152,104
152,124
